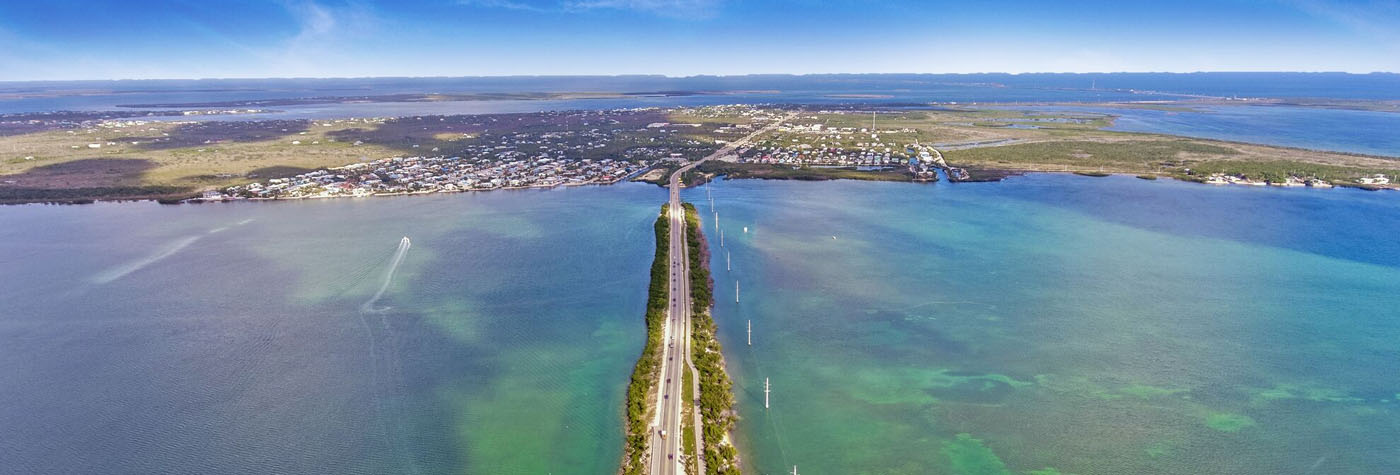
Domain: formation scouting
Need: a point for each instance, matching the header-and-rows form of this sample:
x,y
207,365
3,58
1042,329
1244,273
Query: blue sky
x,y
75,39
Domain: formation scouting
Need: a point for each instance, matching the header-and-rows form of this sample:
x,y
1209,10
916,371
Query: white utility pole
x,y
765,393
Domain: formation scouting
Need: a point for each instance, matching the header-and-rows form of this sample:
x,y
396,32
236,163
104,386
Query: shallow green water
x,y
1087,325
241,338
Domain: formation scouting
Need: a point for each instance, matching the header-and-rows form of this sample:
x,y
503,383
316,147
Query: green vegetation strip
x,y
1279,170
788,172
688,422
1144,155
716,399
649,364
86,195
1183,159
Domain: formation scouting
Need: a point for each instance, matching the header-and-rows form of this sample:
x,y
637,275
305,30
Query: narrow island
x,y
639,390
716,400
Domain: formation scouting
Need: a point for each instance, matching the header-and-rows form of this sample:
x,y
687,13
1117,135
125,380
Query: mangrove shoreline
x,y
716,390
648,368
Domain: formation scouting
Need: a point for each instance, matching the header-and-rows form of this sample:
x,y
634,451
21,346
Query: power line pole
x,y
765,396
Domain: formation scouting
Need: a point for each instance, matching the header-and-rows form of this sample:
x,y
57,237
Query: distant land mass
x,y
75,141
1374,86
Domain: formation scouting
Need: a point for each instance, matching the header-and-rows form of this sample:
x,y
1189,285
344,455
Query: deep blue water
x,y
102,95
797,93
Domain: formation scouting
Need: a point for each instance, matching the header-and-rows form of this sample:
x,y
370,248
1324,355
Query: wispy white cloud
x,y
671,8
696,9
324,40
510,5
313,19
1379,20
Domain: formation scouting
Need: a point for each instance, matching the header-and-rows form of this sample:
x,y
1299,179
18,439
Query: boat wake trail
x,y
225,228
368,306
133,266
1315,465
120,271
385,370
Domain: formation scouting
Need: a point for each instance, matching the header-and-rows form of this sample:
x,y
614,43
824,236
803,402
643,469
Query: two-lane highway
x,y
666,454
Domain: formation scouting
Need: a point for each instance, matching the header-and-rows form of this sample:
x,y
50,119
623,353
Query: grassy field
x,y
1181,158
1278,170
786,172
127,158
991,143
1137,155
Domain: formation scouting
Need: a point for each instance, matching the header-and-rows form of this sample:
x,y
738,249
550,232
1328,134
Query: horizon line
x,y
691,76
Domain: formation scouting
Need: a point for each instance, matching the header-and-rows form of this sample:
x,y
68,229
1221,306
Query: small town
x,y
863,148
409,175
603,152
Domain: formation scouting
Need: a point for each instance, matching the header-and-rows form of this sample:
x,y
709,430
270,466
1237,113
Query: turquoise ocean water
x,y
1092,326
1078,324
